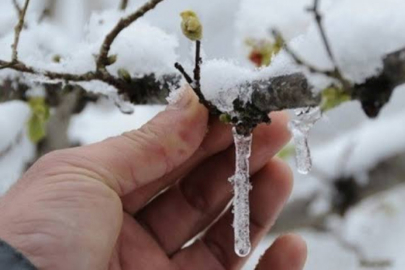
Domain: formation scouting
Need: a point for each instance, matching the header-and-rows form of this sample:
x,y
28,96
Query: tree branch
x,y
319,19
17,8
283,92
198,63
122,24
18,28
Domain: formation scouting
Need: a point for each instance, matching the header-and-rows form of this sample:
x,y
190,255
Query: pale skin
x,y
91,207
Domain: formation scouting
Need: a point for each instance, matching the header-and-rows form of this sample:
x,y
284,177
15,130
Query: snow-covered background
x,y
360,31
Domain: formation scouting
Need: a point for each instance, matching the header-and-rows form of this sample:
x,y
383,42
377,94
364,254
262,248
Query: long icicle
x,y
242,187
300,128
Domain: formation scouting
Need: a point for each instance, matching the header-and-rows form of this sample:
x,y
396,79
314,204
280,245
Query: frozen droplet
x,y
124,106
300,127
241,187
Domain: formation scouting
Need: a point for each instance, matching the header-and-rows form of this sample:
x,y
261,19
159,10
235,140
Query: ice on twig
x,y
300,127
242,188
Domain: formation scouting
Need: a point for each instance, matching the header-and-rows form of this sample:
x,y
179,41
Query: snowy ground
x,y
358,28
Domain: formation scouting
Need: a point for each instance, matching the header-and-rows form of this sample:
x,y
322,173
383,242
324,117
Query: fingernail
x,y
180,98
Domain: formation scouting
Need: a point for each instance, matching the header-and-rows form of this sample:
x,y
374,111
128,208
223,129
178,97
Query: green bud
x,y
56,58
111,60
191,25
40,114
225,118
124,75
333,97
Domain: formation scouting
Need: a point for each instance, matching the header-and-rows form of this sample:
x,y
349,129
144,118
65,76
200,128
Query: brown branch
x,y
321,28
195,83
107,78
198,63
337,74
17,8
298,60
102,60
18,29
183,72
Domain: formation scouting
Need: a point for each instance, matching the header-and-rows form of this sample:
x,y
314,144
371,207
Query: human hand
x,y
91,207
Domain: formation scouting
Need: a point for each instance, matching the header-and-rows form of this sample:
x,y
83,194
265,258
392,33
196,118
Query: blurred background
x,y
349,208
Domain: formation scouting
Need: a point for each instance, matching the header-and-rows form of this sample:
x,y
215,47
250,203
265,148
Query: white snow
x,y
14,141
221,81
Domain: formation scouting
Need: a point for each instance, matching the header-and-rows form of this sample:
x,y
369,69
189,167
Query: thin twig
x,y
124,4
183,72
198,63
321,28
299,60
18,29
337,74
193,85
196,84
89,76
100,74
122,24
17,7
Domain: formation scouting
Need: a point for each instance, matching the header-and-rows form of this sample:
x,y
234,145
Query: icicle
x,y
124,106
242,188
300,127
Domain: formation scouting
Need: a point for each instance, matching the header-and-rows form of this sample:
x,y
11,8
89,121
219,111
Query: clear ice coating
x,y
300,127
242,187
124,106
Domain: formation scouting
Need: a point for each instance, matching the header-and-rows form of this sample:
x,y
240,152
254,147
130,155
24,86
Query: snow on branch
x,y
125,85
276,92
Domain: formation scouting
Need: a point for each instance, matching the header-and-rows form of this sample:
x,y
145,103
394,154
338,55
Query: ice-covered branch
x,y
273,94
102,60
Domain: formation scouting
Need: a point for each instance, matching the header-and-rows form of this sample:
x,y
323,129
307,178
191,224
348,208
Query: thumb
x,y
138,157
